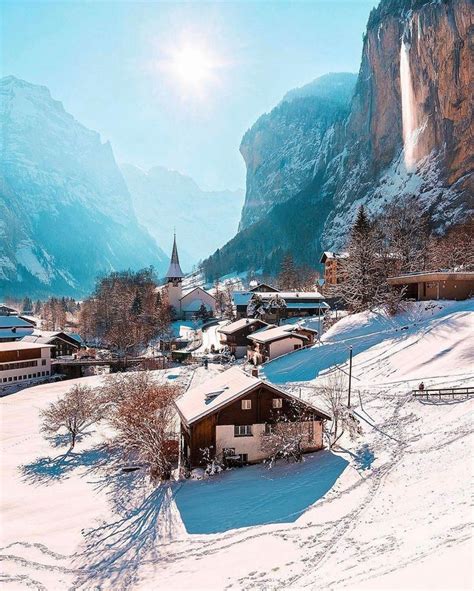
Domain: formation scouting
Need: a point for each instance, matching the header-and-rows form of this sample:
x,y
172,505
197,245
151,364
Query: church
x,y
185,303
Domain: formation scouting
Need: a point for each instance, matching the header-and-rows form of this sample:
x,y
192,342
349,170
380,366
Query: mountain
x,y
283,148
65,212
405,132
165,199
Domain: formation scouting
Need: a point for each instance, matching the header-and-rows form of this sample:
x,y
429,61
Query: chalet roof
x,y
242,298
14,321
174,270
4,309
220,391
239,325
277,333
264,286
47,336
327,254
431,276
22,345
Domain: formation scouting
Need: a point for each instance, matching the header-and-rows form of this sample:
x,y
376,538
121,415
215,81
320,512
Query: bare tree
x,y
288,435
334,394
144,416
77,410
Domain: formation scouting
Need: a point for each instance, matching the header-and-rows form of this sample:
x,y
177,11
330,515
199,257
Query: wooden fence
x,y
444,392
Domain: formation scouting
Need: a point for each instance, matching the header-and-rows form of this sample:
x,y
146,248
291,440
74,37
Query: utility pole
x,y
350,378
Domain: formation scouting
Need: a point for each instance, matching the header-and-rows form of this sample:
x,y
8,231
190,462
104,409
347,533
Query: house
x,y
7,310
277,305
234,335
264,287
186,305
22,361
272,342
231,413
334,271
14,328
436,285
64,343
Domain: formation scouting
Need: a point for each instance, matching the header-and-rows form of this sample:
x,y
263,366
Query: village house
x,y
448,285
275,341
7,310
234,335
334,271
186,304
64,344
279,305
22,361
14,328
230,414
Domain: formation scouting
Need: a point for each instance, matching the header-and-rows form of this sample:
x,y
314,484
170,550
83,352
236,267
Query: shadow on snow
x,y
256,495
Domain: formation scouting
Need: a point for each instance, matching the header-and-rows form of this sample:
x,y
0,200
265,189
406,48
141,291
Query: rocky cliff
x,y
408,131
283,148
65,212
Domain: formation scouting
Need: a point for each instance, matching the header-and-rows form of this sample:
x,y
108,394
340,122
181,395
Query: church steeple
x,y
174,273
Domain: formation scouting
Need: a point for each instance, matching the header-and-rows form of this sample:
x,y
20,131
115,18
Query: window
x,y
269,428
244,458
246,404
277,402
43,362
242,430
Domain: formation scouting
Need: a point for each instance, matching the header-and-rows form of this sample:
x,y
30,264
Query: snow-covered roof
x,y
308,305
46,336
276,334
242,298
432,276
219,391
22,345
238,325
216,392
14,321
327,254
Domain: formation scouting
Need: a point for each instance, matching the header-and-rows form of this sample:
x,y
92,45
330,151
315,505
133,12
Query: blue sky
x,y
118,68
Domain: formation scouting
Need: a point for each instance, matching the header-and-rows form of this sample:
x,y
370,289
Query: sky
x,y
177,84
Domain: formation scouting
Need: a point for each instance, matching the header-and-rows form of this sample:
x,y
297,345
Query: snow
x,y
397,516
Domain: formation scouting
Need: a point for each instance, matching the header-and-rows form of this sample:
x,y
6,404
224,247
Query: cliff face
x,y
408,132
283,148
65,211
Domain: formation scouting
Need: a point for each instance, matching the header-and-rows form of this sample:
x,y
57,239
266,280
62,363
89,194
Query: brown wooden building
x,y
234,335
64,344
449,285
334,271
230,413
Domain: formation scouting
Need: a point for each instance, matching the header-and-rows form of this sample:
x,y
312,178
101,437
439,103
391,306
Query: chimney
x,y
255,372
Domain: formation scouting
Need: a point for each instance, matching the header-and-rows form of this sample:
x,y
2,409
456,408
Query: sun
x,y
192,67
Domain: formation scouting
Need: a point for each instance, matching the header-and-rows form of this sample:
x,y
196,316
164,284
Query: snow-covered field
x,y
392,510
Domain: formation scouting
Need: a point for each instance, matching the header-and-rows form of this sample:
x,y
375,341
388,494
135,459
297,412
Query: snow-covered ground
x,y
391,510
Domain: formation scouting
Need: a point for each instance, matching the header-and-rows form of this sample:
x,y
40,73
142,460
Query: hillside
x,y
391,509
65,212
406,132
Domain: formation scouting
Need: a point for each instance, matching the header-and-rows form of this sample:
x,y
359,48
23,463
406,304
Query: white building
x,y
22,361
187,304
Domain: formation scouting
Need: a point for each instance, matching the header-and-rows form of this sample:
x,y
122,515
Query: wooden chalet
x,y
436,285
234,335
278,340
334,267
296,304
231,413
64,344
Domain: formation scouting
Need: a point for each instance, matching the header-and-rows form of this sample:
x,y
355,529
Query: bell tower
x,y
174,278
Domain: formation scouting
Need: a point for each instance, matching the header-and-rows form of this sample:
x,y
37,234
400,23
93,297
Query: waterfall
x,y
409,116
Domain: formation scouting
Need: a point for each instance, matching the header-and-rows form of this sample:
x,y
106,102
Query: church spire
x,y
174,271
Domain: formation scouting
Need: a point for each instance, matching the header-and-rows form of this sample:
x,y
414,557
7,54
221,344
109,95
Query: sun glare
x,y
192,67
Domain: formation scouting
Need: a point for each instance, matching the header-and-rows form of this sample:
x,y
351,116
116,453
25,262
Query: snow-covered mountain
x,y
165,199
407,131
65,212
